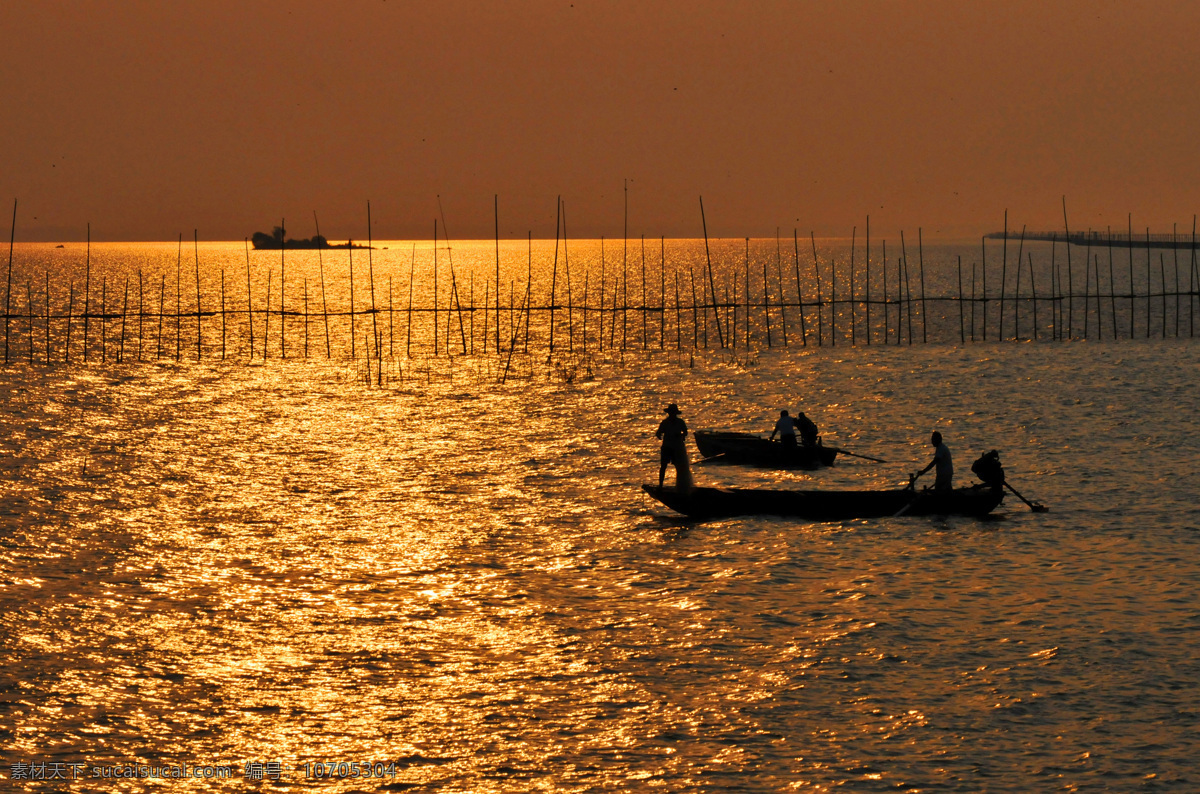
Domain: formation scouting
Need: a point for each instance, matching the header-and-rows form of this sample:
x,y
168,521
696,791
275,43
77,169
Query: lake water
x,y
459,582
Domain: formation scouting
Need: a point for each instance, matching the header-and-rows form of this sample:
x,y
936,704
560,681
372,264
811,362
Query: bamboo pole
x,y
820,303
1004,276
282,283
87,296
832,301
1055,307
392,320
645,318
249,302
1112,287
907,286
12,236
887,320
867,281
47,318
353,325
711,283
662,293
486,293
29,321
70,313
625,267
222,314
747,294
1033,292
799,294
601,316
179,300
1175,257
973,302
196,244
528,287
983,284
921,263
321,272
162,310
1017,299
962,335
411,268
1132,295
304,297
554,273
124,319
104,318
267,318
371,283
779,283
678,314
567,272
695,316
1162,279
1148,286
496,216
853,318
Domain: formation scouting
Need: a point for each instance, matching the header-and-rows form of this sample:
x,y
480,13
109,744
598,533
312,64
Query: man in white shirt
x,y
944,479
786,428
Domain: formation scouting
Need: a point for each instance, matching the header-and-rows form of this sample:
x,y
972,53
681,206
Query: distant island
x,y
275,241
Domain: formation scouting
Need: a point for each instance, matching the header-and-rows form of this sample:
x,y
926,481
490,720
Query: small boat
x,y
752,450
705,503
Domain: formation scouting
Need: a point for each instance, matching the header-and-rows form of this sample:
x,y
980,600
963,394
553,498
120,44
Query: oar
x,y
912,486
841,451
712,459
1034,506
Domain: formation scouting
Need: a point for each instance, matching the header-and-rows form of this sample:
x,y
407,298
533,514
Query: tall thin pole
x,y
70,317
1033,291
435,289
712,284
962,336
554,272
662,292
196,245
921,264
1112,298
249,304
645,319
371,281
141,312
867,278
124,318
321,270
625,266
411,267
799,292
853,332
87,295
1004,276
179,300
817,272
496,216
282,282
1132,302
12,236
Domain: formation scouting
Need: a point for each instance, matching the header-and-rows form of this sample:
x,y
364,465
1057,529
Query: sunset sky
x,y
148,119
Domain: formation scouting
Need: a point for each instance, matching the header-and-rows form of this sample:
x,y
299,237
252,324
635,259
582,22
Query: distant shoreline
x,y
1098,240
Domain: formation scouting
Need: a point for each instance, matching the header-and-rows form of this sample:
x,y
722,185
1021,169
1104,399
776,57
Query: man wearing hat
x,y
673,431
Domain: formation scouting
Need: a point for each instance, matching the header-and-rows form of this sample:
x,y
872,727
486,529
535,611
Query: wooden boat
x,y
704,503
752,450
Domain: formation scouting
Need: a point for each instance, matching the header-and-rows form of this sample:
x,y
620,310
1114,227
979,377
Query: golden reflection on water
x,y
463,580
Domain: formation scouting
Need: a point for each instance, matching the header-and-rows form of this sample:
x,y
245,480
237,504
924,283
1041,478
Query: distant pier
x,y
1104,239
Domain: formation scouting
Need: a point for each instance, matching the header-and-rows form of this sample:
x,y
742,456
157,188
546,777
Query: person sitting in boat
x,y
944,476
808,430
673,431
786,428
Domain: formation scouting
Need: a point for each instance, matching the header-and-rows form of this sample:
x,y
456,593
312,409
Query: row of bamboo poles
x,y
131,326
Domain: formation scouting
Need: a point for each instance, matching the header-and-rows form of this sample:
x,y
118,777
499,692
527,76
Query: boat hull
x,y
706,503
748,449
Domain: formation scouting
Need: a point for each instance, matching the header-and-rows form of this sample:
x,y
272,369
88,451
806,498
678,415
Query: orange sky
x,y
148,119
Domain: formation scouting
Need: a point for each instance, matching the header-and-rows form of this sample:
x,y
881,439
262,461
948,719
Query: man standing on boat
x,y
944,479
786,428
673,431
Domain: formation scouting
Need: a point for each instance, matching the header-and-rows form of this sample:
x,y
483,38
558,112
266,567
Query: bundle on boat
x,y
748,449
706,503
